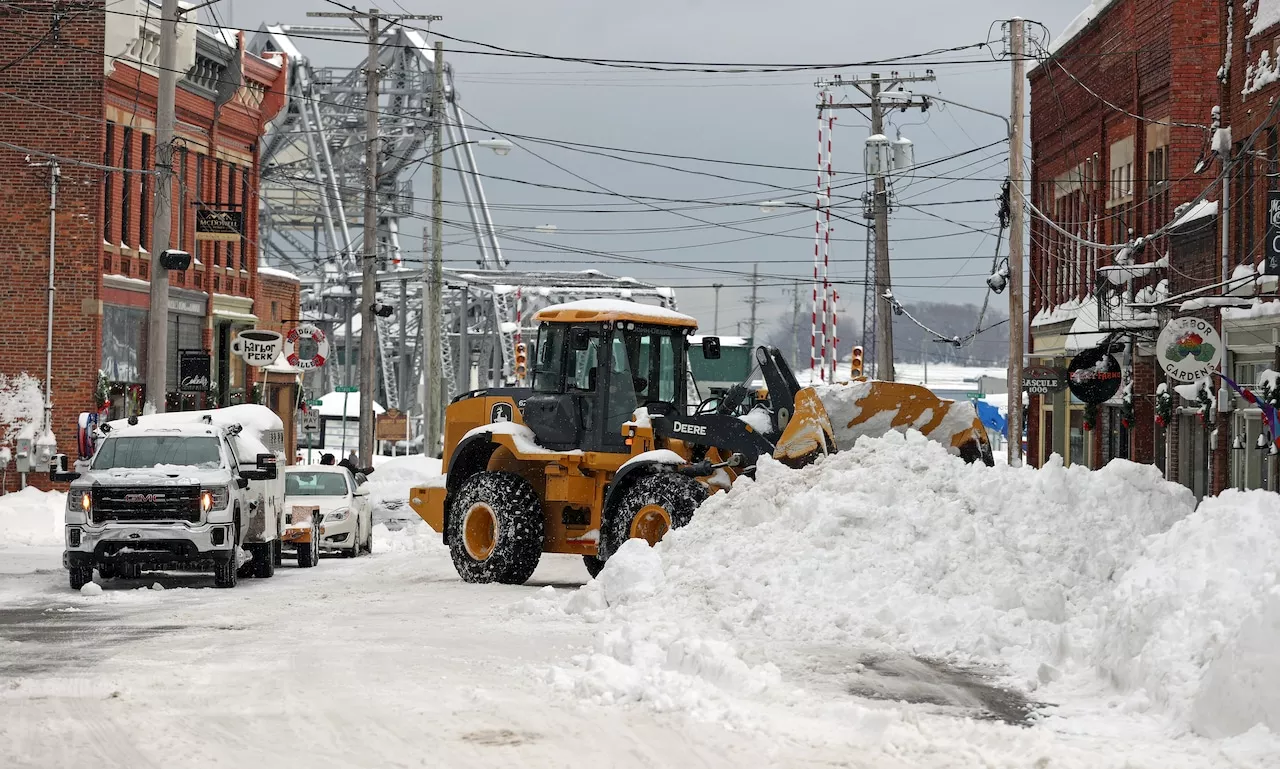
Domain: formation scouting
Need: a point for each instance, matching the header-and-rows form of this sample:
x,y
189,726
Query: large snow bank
x,y
1193,625
21,407
895,545
32,517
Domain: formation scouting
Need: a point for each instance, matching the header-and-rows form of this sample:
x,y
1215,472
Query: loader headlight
x,y
337,515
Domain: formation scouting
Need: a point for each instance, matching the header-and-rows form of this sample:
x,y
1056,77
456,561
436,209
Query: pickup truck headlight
x,y
214,498
337,515
86,502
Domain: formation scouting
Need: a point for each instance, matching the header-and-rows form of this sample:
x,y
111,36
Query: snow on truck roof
x,y
599,310
255,420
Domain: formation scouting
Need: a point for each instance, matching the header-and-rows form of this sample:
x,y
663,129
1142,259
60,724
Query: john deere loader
x,y
610,441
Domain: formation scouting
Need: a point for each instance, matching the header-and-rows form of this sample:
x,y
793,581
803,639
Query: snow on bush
x,y
32,517
896,545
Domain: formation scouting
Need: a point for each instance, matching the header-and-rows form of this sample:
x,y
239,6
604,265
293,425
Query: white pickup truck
x,y
190,490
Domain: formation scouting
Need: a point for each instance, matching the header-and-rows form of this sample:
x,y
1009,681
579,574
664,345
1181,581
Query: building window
x,y
144,206
1120,162
244,221
109,183
1158,186
232,187
275,311
126,229
217,203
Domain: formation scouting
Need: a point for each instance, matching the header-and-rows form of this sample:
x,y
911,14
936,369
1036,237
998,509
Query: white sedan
x,y
346,513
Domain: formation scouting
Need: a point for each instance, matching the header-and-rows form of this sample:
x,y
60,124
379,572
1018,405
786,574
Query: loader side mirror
x,y
579,338
711,347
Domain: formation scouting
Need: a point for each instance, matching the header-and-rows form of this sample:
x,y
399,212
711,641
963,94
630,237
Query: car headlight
x,y
336,515
218,497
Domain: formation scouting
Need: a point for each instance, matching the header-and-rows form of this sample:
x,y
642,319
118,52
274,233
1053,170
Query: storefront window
x,y
1078,452
1046,435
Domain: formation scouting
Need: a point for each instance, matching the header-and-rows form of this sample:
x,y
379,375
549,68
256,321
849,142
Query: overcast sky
x,y
756,118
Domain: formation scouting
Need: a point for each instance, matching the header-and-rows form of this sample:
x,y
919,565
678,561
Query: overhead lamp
x,y
499,146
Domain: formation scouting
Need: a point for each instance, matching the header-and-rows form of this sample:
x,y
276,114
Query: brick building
x,y
87,94
1114,149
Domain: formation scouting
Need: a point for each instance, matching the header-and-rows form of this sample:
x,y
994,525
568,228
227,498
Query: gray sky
x,y
757,118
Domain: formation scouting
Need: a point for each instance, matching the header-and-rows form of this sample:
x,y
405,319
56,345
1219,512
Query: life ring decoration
x,y
306,331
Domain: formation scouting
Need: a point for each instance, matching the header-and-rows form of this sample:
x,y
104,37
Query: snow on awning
x,y
1121,274
1084,333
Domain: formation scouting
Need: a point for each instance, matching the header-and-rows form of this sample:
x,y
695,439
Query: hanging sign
x,y
258,347
193,371
217,224
1272,248
306,347
1043,380
1189,349
1094,376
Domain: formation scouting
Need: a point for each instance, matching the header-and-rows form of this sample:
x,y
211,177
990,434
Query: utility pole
x,y
166,118
715,323
755,285
874,88
435,377
1017,206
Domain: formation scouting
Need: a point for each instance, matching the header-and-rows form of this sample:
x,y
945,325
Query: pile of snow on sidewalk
x,y
32,517
896,545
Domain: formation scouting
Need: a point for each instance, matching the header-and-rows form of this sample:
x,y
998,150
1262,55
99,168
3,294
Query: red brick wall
x,y
63,75
285,294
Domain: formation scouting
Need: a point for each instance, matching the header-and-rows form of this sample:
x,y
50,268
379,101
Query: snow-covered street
x,y
889,607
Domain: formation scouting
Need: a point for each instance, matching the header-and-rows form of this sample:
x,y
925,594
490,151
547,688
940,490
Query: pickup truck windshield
x,y
315,485
152,450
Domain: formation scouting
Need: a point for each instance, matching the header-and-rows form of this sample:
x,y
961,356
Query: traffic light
x,y
522,359
855,363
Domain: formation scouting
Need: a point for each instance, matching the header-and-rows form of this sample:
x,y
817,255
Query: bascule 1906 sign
x,y
1189,349
1042,380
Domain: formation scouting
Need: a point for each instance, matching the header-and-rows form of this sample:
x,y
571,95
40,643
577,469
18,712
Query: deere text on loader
x,y
607,444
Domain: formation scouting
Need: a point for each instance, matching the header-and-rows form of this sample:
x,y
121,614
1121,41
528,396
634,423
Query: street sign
x,y
310,421
392,426
313,402
346,389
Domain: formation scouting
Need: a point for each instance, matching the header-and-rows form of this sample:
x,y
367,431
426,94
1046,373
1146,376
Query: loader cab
x,y
592,370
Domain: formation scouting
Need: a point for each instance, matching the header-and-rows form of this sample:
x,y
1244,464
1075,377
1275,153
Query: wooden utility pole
x,y
1017,219
434,362
874,89
161,214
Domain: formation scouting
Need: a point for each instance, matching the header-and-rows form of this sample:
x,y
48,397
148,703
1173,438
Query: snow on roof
x,y
1057,314
1257,308
1201,210
272,272
331,405
646,311
1266,14
256,421
1084,334
1077,25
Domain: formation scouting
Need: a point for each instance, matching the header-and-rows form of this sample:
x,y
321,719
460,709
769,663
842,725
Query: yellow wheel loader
x,y
609,442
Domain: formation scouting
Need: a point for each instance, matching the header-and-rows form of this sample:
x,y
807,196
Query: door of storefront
x,y
1193,454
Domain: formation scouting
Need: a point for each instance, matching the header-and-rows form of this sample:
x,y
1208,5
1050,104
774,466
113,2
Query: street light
x,y
499,146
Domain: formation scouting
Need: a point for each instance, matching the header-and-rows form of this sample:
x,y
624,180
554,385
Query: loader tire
x,y
496,529
651,507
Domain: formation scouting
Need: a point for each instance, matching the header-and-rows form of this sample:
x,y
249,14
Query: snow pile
x,y
892,544
844,407
32,517
1193,624
392,479
416,537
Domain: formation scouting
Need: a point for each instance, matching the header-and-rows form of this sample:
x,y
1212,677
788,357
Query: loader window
x,y
548,376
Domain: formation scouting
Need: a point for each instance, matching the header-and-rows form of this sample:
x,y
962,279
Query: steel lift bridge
x,y
312,197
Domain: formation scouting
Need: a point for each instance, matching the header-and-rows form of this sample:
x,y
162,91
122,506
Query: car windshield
x,y
315,485
151,450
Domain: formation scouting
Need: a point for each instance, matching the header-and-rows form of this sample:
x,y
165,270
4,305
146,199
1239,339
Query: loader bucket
x,y
873,408
808,433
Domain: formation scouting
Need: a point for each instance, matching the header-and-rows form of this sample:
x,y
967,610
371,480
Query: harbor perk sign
x,y
216,224
1189,349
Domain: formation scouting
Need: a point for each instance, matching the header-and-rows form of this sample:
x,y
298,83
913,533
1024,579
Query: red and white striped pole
x,y
826,248
519,337
817,246
835,334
